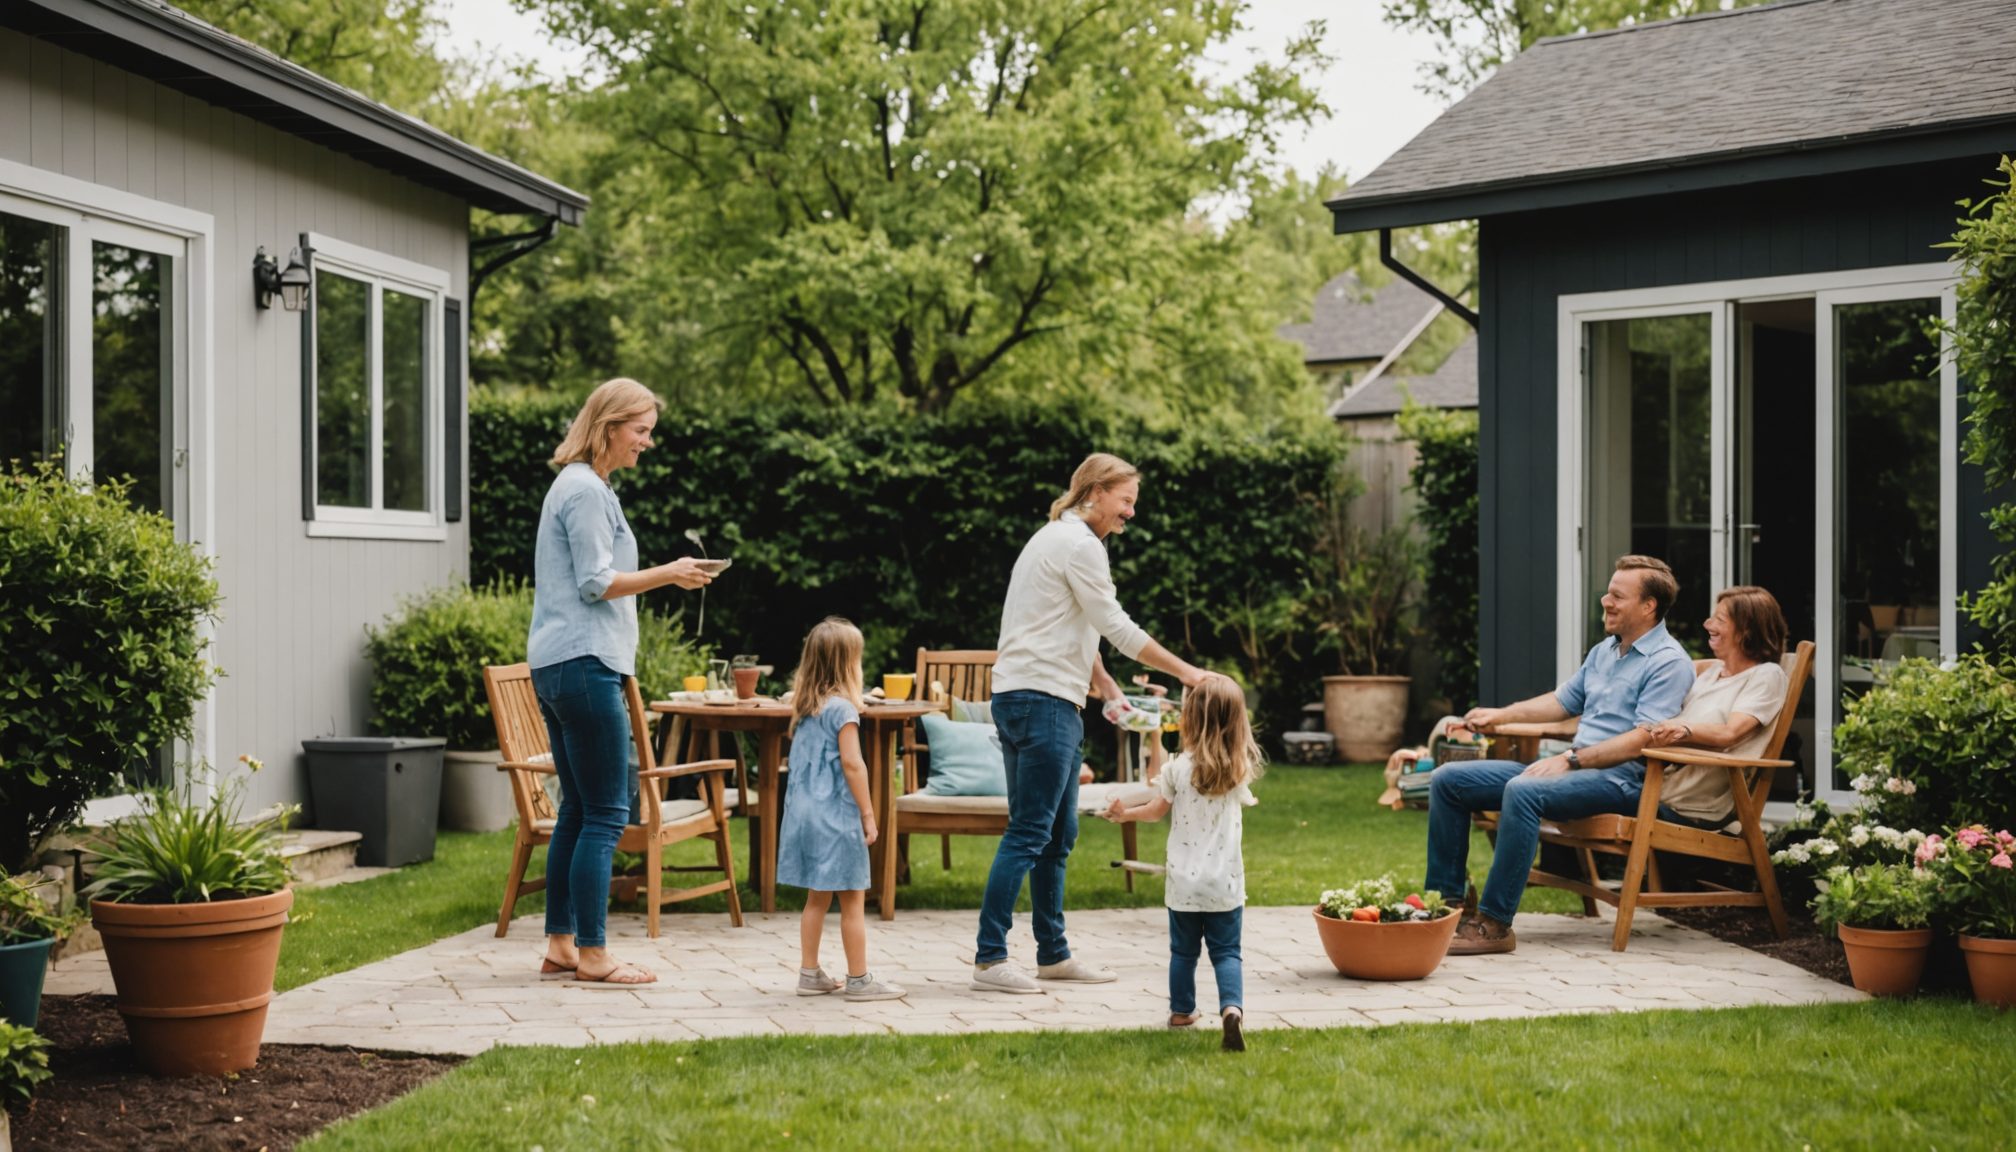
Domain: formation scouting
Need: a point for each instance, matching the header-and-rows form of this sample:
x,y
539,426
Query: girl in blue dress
x,y
822,844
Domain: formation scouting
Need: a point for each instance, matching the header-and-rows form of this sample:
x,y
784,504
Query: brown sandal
x,y
604,981
1176,1021
548,970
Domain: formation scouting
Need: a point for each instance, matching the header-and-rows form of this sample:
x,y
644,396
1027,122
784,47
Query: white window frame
x,y
1827,289
94,212
381,272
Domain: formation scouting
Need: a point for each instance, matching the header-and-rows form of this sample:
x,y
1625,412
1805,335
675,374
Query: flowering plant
x,y
1977,879
1884,896
1382,901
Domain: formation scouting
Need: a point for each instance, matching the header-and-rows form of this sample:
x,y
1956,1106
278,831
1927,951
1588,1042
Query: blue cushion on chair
x,y
965,758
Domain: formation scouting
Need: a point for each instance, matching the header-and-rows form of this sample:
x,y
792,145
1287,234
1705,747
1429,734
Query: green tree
x,y
381,48
1984,346
879,197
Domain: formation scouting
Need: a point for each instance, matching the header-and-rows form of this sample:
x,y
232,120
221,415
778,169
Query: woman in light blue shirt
x,y
583,643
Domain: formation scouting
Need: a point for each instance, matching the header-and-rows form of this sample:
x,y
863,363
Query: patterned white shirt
x,y
1207,872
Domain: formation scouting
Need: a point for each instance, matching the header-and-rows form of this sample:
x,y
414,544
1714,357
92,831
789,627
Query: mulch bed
x,y
100,1098
1751,927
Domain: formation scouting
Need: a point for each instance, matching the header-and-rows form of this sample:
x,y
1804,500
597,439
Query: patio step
x,y
314,854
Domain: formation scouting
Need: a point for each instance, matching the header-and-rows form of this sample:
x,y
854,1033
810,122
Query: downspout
x,y
1420,281
478,274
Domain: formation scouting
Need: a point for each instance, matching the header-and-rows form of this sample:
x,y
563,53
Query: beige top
x,y
1060,602
1701,791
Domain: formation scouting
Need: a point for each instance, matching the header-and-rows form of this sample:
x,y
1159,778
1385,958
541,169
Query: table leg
x,y
883,781
769,745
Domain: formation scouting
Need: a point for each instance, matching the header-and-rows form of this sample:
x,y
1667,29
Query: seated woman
x,y
1731,708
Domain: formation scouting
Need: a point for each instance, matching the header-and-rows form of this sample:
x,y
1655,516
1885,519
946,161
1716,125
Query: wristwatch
x,y
1574,759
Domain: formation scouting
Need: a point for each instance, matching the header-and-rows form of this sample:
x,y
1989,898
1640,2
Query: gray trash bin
x,y
386,787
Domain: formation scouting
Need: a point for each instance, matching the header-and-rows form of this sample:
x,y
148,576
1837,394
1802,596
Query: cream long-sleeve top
x,y
1060,602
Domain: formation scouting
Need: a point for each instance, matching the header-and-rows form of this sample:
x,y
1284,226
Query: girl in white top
x,y
1206,787
1732,707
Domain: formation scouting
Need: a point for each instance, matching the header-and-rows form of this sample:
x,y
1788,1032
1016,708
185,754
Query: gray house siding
x,y
1862,220
294,608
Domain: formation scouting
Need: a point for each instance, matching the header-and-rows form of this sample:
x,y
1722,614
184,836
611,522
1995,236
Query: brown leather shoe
x,y
1466,908
1482,937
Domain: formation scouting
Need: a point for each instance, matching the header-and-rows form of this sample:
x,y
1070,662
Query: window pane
x,y
130,377
405,391
28,338
1648,484
342,391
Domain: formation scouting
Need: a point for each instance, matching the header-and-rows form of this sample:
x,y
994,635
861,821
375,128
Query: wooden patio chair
x,y
969,676
1636,838
528,758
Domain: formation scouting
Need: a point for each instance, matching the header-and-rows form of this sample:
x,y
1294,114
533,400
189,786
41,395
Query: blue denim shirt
x,y
1614,694
584,540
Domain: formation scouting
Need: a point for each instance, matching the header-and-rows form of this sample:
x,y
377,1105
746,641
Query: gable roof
x,y
1349,322
1453,385
171,47
1804,87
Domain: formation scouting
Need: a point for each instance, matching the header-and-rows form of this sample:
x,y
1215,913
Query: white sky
x,y
1370,89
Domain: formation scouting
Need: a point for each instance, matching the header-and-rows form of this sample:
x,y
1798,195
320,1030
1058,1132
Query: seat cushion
x,y
965,758
972,711
1095,797
953,805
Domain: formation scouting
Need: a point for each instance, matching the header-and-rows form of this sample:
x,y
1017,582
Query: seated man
x,y
1635,679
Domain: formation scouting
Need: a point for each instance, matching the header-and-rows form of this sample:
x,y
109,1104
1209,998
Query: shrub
x,y
1977,879
1931,746
1445,478
26,915
1886,896
179,851
101,654
24,1063
427,659
1984,348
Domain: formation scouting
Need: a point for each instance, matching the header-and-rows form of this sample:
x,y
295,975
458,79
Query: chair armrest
x,y
522,766
1711,759
693,769
1550,730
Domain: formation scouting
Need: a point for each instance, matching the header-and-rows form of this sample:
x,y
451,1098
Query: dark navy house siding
x,y
1528,260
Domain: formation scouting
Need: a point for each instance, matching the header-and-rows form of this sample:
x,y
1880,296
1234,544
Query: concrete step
x,y
314,854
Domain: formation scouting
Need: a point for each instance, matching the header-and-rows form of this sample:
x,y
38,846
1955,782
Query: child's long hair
x,y
830,666
1223,754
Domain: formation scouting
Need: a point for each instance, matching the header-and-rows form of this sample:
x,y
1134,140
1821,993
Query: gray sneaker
x,y
1003,977
817,984
1071,971
872,989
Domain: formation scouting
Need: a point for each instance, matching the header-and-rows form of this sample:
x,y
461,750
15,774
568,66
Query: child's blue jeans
x,y
1188,933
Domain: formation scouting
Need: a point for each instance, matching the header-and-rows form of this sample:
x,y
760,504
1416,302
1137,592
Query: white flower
x,y
1858,835
1863,783
1900,785
1824,847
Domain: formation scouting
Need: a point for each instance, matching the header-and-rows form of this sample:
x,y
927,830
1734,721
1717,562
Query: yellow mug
x,y
695,683
897,685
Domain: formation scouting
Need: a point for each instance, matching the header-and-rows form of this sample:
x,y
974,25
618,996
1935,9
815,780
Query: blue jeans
x,y
1187,932
589,729
1039,745
1522,802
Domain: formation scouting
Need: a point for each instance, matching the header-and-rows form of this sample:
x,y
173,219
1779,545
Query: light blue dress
x,y
819,843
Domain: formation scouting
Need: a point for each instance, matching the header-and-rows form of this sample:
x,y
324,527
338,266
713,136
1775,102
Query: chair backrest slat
x,y
521,734
967,674
1798,665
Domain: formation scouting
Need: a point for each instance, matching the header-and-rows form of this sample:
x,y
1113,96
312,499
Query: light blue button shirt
x,y
584,541
1613,694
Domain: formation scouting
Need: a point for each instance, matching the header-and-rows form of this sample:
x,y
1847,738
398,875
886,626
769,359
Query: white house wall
x,y
295,608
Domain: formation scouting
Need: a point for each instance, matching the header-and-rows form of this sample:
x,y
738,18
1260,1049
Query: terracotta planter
x,y
194,979
1883,961
1365,714
1991,966
1408,950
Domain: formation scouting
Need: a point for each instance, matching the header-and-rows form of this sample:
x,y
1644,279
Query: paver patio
x,y
471,991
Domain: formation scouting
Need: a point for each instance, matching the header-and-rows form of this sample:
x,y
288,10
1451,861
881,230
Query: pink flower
x,y
1930,848
2001,860
2006,839
1968,838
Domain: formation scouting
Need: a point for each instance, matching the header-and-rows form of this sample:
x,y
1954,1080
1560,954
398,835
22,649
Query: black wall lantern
x,y
291,285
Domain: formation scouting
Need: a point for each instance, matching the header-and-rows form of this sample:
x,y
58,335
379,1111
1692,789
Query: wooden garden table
x,y
769,720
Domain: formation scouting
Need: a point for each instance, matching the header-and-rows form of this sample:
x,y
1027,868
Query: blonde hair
x,y
1223,753
1098,472
615,403
830,666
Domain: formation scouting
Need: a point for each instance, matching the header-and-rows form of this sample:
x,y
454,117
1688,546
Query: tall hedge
x,y
909,526
1445,478
1984,344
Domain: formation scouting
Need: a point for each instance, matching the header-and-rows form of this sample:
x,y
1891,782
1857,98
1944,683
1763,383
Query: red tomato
x,y
1414,901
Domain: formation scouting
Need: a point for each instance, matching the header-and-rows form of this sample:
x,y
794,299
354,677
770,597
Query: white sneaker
x,y
872,989
1070,971
817,984
1003,977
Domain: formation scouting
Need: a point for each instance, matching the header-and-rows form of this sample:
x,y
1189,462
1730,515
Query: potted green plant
x,y
1360,598
1978,884
31,923
24,1063
1381,930
191,903
1882,914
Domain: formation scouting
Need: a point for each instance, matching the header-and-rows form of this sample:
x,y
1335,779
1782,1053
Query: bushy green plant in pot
x,y
31,922
191,901
1359,601
101,649
1930,747
1977,882
24,1063
1882,914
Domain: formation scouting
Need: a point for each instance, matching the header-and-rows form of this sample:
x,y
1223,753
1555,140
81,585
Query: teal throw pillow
x,y
965,758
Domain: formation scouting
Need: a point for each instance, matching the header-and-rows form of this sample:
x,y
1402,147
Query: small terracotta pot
x,y
1885,961
194,979
1991,967
1408,950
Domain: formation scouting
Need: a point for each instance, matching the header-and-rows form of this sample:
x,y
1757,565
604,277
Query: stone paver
x,y
469,992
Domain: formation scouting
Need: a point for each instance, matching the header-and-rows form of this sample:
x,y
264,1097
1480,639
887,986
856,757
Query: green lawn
x,y
1881,1075
1314,828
